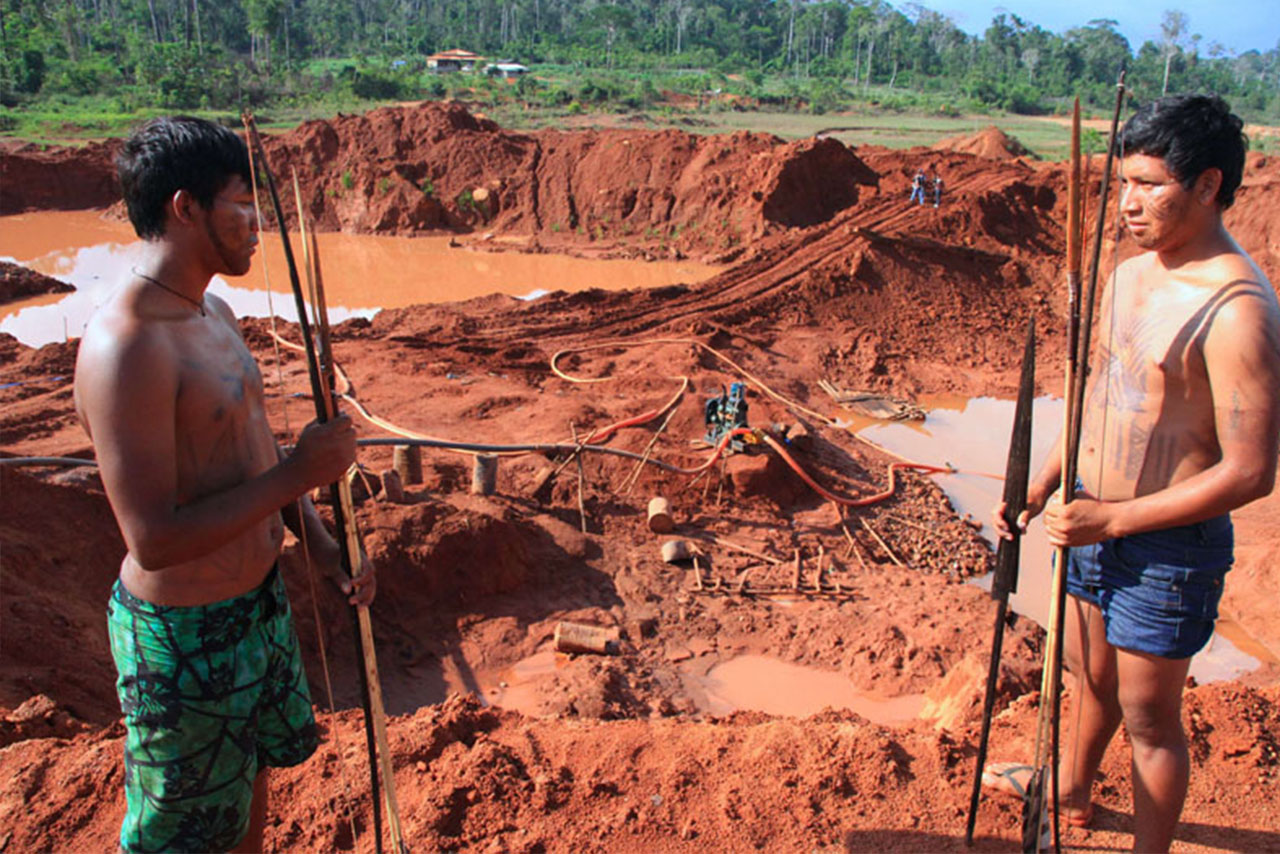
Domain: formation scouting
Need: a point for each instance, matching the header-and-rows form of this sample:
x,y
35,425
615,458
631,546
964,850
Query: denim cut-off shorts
x,y
1158,591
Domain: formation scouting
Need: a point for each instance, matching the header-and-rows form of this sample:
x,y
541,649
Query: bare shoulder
x,y
1241,285
120,348
1244,322
220,308
115,336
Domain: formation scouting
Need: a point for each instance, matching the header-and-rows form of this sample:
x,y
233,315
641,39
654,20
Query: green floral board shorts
x,y
210,694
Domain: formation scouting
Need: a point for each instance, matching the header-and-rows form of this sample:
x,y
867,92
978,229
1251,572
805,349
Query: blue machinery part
x,y
724,413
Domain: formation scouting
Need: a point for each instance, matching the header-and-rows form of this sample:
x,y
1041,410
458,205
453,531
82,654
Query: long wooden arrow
x,y
1080,324
344,521
329,375
1034,815
1005,578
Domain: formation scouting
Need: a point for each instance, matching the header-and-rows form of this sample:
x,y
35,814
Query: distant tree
x,y
1030,59
613,22
1100,50
264,16
1172,28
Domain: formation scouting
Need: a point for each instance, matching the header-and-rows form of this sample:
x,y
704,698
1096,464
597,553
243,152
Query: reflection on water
x,y
517,688
973,435
761,684
362,273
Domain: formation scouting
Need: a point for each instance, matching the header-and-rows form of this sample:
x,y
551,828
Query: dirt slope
x,y
36,177
18,282
988,142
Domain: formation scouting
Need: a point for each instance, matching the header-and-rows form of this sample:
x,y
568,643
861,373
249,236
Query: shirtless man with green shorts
x,y
211,681
1181,425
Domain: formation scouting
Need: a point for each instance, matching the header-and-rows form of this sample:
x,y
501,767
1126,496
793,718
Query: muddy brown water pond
x,y
363,273
763,684
973,435
745,682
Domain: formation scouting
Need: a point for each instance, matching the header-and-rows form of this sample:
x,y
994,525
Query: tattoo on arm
x,y
1235,416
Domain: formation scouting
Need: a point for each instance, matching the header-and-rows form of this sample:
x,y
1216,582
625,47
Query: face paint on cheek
x,y
1162,204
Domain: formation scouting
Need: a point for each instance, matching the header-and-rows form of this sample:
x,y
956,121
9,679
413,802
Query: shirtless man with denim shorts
x,y
210,677
1181,420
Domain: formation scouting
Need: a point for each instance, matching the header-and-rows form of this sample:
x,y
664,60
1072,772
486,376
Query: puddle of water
x,y
762,684
516,688
363,273
973,434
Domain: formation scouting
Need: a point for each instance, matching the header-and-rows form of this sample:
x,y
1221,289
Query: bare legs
x,y
1144,691
1151,695
1098,714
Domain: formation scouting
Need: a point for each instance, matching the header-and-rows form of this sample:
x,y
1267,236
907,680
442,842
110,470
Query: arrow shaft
x,y
348,541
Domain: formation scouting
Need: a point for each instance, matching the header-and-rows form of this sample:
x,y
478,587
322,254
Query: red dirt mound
x,y
471,778
407,169
56,588
18,282
56,178
1251,220
989,142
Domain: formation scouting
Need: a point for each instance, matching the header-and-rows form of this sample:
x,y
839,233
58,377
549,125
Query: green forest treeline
x,y
128,55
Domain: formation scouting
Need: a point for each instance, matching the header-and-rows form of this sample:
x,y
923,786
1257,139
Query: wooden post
x,y
407,461
484,476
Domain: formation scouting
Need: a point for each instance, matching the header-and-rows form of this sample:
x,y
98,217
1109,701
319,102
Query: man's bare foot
x,y
1011,779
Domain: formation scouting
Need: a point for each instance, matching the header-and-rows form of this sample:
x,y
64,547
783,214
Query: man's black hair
x,y
177,153
1191,133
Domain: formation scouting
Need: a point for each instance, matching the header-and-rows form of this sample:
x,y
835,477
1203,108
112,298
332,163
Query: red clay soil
x,y
501,745
988,142
18,282
37,177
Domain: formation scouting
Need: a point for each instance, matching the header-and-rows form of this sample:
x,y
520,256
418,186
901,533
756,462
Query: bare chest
x,y
221,428
1151,355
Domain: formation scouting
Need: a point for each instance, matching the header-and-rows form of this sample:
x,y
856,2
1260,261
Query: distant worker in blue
x,y
917,188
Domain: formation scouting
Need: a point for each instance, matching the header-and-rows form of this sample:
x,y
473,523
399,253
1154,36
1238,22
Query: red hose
x,y
839,499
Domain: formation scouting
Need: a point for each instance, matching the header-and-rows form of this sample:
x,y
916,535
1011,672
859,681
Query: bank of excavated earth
x,y
499,744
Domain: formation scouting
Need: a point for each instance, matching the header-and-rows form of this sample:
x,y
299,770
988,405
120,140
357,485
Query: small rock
x,y
392,487
700,646
678,653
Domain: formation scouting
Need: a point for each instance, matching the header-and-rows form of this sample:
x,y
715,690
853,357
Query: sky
x,y
1240,25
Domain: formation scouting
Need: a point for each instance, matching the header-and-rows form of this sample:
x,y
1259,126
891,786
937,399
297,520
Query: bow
x,y
321,373
1005,578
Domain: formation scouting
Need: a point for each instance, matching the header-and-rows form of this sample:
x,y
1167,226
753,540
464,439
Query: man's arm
x,y
127,382
301,518
1043,485
1242,358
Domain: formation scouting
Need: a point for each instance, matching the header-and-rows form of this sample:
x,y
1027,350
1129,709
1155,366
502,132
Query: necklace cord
x,y
177,293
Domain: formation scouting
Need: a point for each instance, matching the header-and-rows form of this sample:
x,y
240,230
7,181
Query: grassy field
x,y
1047,138
75,121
